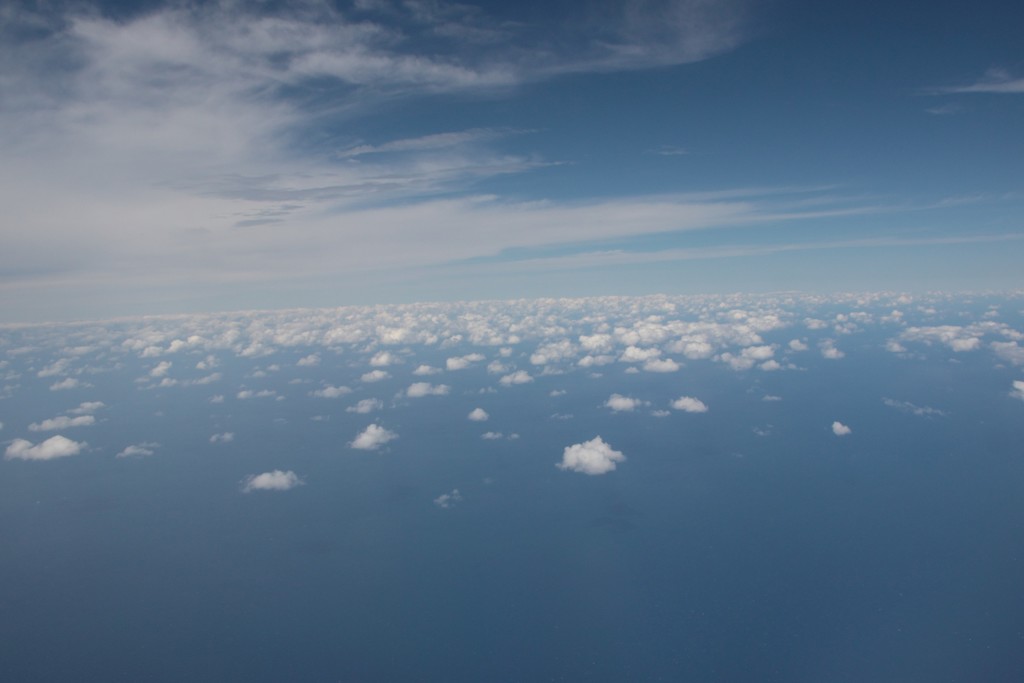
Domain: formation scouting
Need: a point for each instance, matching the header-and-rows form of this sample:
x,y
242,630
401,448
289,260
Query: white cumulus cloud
x,y
367,405
1018,389
590,457
839,429
620,403
517,377
141,450
375,376
277,480
372,438
62,422
478,415
225,437
421,389
331,392
661,365
689,404
54,447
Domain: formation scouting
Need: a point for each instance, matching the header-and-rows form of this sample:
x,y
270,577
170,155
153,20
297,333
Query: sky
x,y
184,157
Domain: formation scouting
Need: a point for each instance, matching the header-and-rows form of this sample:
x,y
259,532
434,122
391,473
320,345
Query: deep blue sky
x,y
166,157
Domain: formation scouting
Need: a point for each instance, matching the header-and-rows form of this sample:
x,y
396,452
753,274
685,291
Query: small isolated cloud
x,y
1018,389
492,436
382,359
310,361
141,450
372,438
62,422
620,403
224,437
771,397
517,377
161,369
462,362
479,415
87,408
590,457
839,429
375,376
908,407
331,392
54,447
447,500
557,392
424,370
829,350
219,398
248,393
689,404
367,405
421,389
278,480
66,383
661,365
797,345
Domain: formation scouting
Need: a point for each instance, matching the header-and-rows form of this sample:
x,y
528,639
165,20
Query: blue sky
x,y
165,157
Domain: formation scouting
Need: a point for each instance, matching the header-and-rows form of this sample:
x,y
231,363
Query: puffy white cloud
x,y
262,393
277,480
770,365
57,367
689,404
161,369
375,376
447,500
421,389
771,397
62,422
1011,352
372,438
591,361
141,450
310,361
829,350
382,359
557,392
661,365
54,447
478,415
797,345
517,377
87,408
224,437
1018,389
218,398
620,403
590,457
426,370
553,352
463,362
839,429
634,354
331,392
893,346
367,405
491,436
66,383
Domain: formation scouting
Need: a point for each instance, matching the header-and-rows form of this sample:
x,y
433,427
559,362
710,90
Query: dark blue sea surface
x,y
747,543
